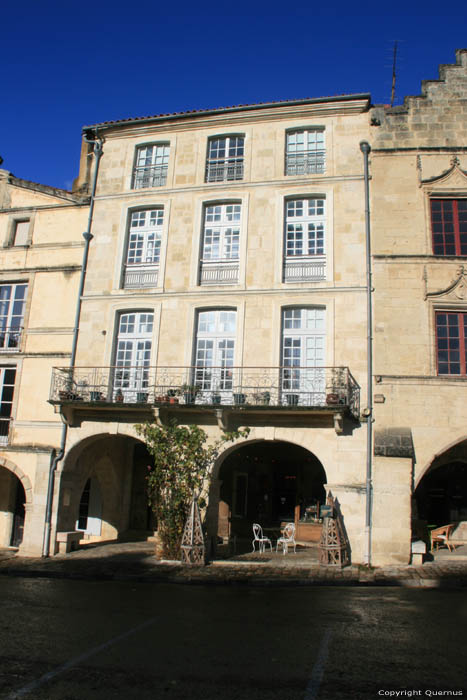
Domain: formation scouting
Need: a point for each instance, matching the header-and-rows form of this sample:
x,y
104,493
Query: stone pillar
x,y
392,491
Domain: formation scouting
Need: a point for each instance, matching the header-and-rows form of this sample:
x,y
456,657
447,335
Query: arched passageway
x,y
441,495
103,489
12,509
270,483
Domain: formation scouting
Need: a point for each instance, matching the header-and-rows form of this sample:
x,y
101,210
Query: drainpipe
x,y
56,457
368,411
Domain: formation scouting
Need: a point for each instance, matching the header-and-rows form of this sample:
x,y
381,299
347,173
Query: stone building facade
x,y
226,285
40,235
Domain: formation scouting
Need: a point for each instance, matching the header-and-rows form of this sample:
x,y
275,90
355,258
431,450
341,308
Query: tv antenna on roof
x,y
393,88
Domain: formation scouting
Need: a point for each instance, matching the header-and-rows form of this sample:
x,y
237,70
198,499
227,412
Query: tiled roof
x,y
233,108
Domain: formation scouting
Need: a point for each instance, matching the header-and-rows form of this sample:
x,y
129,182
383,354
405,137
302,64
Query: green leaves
x,y
182,462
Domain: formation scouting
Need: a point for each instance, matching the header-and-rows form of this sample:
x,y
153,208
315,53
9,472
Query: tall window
x,y
225,159
305,152
304,240
133,355
451,342
214,353
220,245
12,303
151,167
449,226
7,387
303,354
144,248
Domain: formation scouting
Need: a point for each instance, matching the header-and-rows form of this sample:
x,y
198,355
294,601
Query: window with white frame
x,y
151,166
7,387
12,303
305,239
133,355
305,152
220,244
144,248
214,354
225,158
303,356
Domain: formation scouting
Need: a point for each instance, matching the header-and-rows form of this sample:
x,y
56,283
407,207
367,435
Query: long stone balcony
x,y
85,392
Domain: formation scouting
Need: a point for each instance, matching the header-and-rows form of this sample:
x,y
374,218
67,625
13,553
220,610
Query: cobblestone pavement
x,y
136,561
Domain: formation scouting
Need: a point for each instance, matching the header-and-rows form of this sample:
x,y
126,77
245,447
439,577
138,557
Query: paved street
x,y
114,639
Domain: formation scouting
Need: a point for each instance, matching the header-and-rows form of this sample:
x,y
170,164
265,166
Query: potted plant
x,y
119,396
262,397
172,395
190,392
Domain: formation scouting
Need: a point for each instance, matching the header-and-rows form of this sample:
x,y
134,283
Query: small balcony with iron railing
x,y
4,430
138,276
222,170
277,391
305,163
149,176
304,268
219,272
10,338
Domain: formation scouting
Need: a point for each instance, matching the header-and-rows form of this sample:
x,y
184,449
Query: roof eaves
x,y
226,110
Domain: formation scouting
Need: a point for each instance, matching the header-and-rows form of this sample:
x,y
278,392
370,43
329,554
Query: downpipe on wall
x,y
56,457
366,149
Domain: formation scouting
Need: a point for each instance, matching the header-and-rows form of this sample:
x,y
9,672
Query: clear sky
x,y
64,65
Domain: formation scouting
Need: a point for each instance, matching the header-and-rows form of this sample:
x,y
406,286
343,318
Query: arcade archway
x,y
12,509
270,483
441,495
103,489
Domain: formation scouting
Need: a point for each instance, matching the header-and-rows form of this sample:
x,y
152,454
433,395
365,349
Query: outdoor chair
x,y
441,535
259,537
288,537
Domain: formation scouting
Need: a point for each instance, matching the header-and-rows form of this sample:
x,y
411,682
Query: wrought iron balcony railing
x,y
305,267
149,176
4,430
305,163
10,339
267,387
224,170
219,272
141,275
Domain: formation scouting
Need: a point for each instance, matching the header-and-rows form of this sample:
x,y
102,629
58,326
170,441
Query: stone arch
x,y
440,496
439,454
114,460
273,480
25,480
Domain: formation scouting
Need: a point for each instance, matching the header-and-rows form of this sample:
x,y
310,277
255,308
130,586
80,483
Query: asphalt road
x,y
70,640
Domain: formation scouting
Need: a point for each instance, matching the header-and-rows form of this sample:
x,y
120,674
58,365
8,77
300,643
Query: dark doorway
x,y
441,495
264,482
18,515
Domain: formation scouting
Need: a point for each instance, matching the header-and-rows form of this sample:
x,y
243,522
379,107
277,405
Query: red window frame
x,y
451,342
449,226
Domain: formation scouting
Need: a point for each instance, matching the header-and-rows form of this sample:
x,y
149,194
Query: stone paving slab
x,y
137,562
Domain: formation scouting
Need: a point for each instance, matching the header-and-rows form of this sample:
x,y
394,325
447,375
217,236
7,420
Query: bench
x,y
418,549
68,541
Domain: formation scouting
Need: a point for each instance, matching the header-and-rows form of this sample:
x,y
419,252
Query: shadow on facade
x,y
103,490
12,509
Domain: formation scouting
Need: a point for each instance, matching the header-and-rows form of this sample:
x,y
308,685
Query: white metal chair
x,y
259,537
288,537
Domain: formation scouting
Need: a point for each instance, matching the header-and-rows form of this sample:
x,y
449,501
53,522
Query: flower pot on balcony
x,y
239,398
119,396
332,399
292,399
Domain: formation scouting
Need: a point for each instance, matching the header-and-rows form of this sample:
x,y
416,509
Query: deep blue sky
x,y
64,65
